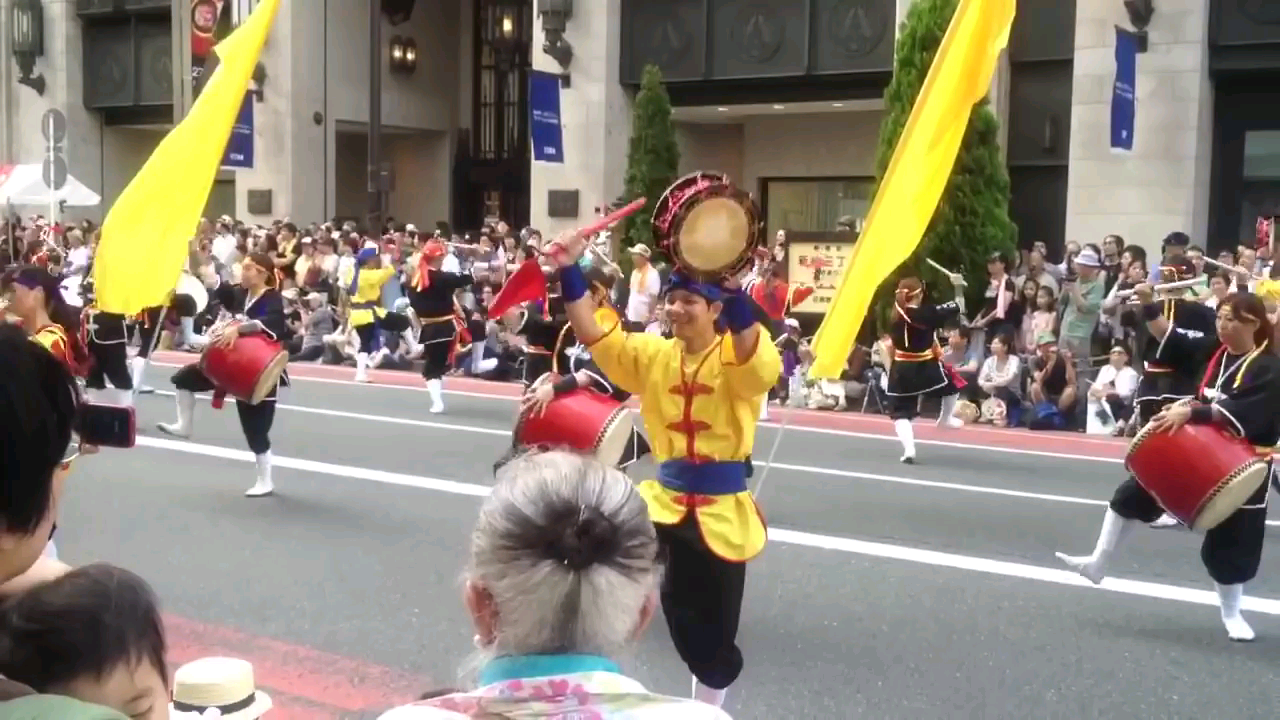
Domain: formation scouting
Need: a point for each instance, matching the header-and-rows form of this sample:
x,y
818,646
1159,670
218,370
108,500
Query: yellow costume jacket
x,y
366,302
700,414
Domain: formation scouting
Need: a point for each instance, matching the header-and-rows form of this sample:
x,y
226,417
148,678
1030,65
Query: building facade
x,y
782,95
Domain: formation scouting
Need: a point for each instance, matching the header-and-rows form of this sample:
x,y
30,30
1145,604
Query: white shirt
x,y
646,284
450,264
223,248
1125,380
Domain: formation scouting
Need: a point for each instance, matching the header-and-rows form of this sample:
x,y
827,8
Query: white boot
x,y
362,367
379,357
908,439
1094,567
947,418
1229,597
263,486
764,408
138,365
704,694
186,402
435,388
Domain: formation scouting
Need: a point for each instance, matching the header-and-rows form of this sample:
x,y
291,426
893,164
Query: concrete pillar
x,y
1163,185
595,112
291,150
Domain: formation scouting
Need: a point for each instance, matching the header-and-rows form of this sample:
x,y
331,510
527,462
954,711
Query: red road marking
x,y
1013,438
304,683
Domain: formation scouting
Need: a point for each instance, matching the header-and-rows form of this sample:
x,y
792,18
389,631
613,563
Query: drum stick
x,y
603,223
944,271
1235,269
1123,294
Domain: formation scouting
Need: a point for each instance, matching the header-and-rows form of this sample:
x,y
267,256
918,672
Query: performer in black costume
x,y
1240,393
1164,382
148,323
107,339
917,368
443,332
572,367
258,308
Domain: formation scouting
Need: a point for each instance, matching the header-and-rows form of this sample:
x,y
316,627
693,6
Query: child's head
x,y
94,634
1044,298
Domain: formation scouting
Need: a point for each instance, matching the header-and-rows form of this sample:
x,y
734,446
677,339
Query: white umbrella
x,y
24,185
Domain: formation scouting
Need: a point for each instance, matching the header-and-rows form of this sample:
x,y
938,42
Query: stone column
x,y
62,67
595,113
289,146
1163,185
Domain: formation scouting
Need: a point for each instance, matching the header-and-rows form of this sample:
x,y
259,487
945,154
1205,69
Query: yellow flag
x,y
959,77
147,233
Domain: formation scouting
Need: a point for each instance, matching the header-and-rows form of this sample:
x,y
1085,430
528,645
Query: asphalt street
x,y
887,592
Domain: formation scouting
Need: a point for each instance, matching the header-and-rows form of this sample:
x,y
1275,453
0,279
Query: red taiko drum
x,y
582,420
248,370
711,228
1200,474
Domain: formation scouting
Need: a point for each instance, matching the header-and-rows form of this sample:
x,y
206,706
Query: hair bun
x,y
588,539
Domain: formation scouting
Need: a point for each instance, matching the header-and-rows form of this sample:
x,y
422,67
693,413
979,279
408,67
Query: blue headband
x,y
707,291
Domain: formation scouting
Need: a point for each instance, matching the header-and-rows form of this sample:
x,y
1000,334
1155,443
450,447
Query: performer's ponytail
x,y
909,288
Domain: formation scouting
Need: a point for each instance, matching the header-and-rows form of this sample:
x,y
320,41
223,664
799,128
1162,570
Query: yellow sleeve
x,y
626,358
759,373
371,282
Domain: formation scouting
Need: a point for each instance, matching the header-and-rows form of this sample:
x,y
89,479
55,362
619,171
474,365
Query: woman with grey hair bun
x,y
562,581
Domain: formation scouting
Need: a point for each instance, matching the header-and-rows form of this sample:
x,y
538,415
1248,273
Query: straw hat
x,y
224,684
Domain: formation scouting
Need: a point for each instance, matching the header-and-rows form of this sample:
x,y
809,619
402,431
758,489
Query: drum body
x,y
1200,474
711,228
248,370
582,420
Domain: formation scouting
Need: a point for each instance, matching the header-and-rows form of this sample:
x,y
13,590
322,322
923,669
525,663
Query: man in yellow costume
x,y
365,289
700,394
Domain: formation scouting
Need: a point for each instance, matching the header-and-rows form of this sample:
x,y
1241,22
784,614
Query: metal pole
x,y
375,117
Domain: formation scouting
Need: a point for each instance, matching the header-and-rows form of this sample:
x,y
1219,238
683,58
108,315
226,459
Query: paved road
x,y
888,592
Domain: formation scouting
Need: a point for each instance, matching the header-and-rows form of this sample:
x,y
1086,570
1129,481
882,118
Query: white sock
x,y
137,366
263,485
485,366
1094,566
906,436
362,366
947,418
704,694
186,404
1229,600
764,407
435,388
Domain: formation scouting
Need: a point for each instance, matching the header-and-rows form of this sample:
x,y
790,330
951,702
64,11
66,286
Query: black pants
x,y
147,327
255,420
437,339
1231,552
1120,410
368,334
702,601
311,353
110,362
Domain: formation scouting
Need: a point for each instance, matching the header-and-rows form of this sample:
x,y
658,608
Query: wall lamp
x,y
26,27
404,55
259,81
1140,13
555,16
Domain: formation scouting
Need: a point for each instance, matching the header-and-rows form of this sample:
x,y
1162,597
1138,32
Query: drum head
x,y
270,378
713,235
1231,495
668,206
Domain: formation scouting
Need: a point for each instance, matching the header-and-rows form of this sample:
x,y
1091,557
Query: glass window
x,y
1260,195
815,205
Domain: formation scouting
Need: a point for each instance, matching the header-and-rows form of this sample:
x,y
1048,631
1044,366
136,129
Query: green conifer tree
x,y
653,159
972,219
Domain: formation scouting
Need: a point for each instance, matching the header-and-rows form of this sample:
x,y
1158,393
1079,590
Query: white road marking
x,y
807,469
767,424
1160,591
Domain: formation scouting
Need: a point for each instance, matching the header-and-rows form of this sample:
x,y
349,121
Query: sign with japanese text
x,y
818,259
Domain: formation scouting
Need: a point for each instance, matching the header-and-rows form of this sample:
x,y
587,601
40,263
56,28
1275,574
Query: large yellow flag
x,y
148,231
918,172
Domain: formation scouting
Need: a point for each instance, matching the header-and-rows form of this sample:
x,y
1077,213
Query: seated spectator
x,y
999,379
964,357
93,634
562,582
1053,385
1115,386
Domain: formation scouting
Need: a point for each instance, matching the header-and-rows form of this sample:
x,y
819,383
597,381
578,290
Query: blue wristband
x,y
737,313
573,283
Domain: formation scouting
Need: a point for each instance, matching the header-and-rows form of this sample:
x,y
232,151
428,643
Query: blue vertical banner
x,y
1123,94
545,131
239,152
